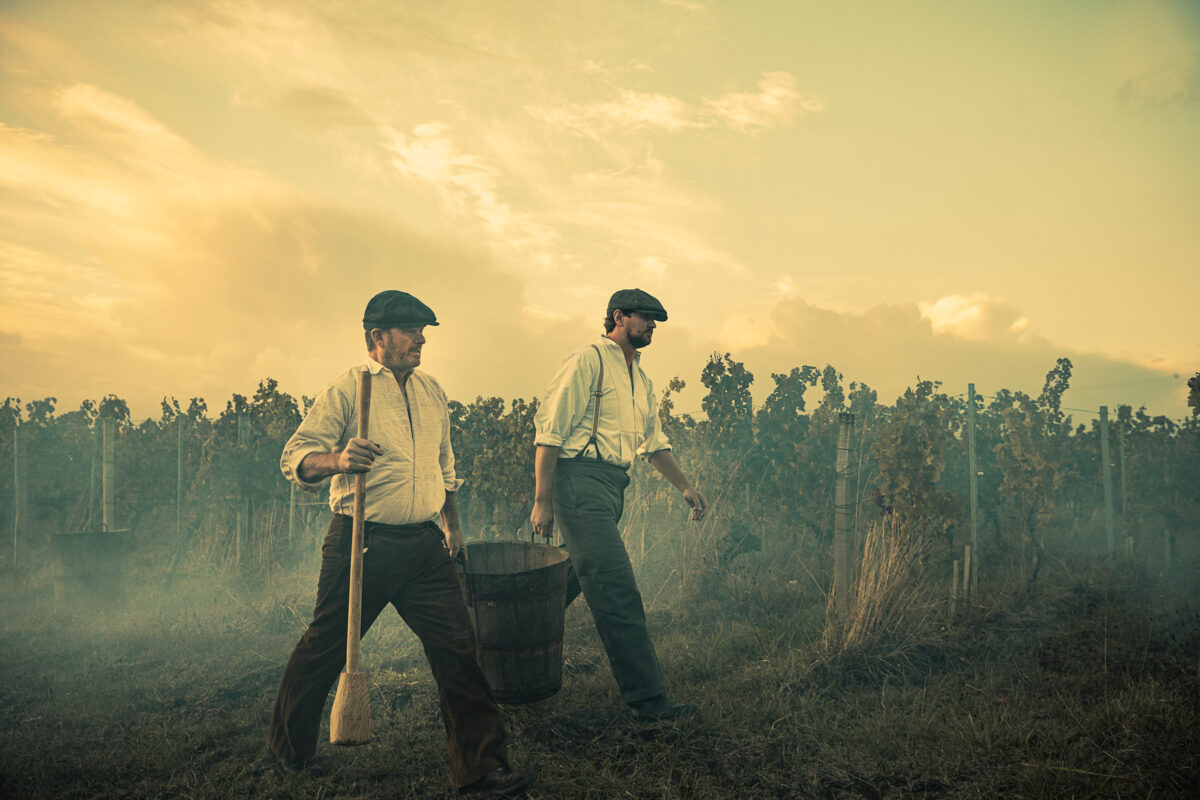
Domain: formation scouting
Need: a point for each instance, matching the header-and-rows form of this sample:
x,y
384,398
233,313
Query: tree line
x,y
768,469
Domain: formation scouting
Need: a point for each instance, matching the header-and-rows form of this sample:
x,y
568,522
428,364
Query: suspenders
x,y
597,392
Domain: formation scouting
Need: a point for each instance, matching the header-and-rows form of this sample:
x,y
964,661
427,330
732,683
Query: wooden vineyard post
x,y
107,481
1106,472
16,489
954,589
237,531
91,511
179,478
974,485
841,515
968,570
1121,452
1125,533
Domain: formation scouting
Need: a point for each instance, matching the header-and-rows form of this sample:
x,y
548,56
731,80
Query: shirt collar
x,y
374,367
637,354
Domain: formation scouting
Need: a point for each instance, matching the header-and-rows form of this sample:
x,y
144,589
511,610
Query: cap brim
x,y
397,323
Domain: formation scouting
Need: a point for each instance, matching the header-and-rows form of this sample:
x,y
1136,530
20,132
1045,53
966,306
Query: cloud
x,y
276,290
784,287
1174,84
468,183
107,113
24,45
1151,46
115,161
686,5
655,269
536,199
630,111
645,214
777,103
890,346
176,273
976,317
321,107
640,220
539,217
46,293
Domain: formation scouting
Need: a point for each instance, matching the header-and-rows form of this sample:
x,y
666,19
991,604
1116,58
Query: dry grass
x,y
1087,689
890,608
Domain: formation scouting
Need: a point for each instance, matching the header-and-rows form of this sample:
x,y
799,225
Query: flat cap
x,y
394,309
637,300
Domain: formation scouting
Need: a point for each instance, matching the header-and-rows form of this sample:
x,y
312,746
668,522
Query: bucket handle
x,y
533,535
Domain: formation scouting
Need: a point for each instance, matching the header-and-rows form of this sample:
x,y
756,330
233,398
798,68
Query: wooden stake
x,y
237,530
974,484
16,489
179,478
967,567
841,514
107,480
1121,451
91,512
1106,471
954,589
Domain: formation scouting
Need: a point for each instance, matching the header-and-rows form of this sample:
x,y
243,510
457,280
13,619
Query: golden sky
x,y
198,195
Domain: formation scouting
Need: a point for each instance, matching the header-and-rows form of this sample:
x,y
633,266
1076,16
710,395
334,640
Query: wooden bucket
x,y
516,592
89,569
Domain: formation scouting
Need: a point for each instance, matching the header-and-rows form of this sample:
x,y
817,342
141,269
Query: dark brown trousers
x,y
407,566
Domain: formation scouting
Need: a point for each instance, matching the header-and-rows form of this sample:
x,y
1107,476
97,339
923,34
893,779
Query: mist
x,y
1039,641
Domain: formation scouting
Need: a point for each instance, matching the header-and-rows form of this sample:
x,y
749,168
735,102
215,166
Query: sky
x,y
195,196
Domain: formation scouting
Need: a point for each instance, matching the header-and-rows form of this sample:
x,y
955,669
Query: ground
x,y
1085,685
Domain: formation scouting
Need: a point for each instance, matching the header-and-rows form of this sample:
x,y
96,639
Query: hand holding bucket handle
x,y
350,718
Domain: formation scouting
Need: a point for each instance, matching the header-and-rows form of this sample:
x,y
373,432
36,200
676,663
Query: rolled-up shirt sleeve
x,y
565,401
322,431
446,453
655,440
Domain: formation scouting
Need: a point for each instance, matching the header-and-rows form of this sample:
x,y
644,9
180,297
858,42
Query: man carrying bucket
x,y
407,562
597,414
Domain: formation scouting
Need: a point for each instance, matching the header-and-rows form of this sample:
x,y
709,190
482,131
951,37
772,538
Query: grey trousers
x,y
589,498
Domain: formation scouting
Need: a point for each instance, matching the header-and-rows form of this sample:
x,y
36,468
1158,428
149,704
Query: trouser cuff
x,y
643,694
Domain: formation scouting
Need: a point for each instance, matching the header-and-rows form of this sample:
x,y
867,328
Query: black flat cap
x,y
637,300
393,309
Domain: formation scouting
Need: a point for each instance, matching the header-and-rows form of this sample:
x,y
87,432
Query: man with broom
x,y
598,414
407,473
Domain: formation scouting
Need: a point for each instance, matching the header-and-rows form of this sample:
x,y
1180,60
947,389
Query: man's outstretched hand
x,y
697,503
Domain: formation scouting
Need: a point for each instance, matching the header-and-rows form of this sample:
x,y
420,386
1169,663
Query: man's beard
x,y
405,361
639,340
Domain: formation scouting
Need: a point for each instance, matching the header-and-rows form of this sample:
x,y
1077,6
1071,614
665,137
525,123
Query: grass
x,y
1086,687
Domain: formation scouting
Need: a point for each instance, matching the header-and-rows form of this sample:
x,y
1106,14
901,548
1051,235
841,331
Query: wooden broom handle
x,y
353,633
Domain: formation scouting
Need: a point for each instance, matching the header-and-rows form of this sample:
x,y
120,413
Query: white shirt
x,y
629,422
408,483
